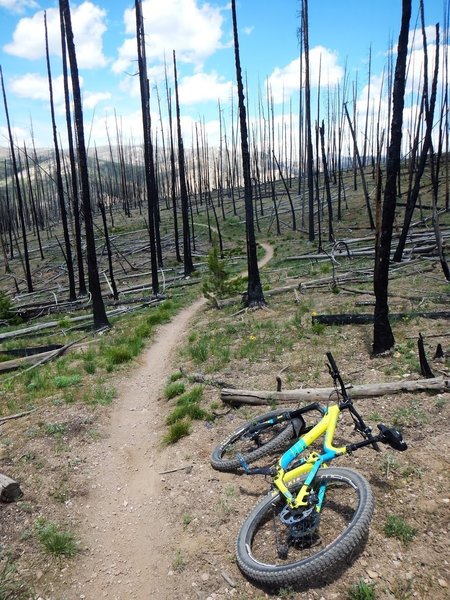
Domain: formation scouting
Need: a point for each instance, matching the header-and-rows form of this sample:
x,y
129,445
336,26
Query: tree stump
x,y
9,489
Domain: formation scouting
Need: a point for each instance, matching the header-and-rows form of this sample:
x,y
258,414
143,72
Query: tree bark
x,y
383,338
98,307
59,181
255,296
187,253
148,148
263,397
9,489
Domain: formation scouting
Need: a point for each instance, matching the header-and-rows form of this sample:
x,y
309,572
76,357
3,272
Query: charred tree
x,y
308,134
59,181
187,253
255,296
148,148
383,338
73,169
429,106
98,306
18,192
173,174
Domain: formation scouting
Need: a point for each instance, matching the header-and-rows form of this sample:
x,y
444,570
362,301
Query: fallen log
x,y
364,318
370,390
9,489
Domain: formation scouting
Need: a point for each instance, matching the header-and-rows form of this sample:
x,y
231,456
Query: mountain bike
x,y
317,516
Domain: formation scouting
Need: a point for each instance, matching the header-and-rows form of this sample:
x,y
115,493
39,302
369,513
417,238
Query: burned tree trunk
x,y
59,182
187,253
173,175
383,338
255,296
19,193
98,307
429,105
148,149
73,170
309,147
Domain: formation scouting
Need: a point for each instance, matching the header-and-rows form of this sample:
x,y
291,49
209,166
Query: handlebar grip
x,y
332,362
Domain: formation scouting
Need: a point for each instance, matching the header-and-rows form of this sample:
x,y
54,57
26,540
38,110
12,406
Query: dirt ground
x,y
158,522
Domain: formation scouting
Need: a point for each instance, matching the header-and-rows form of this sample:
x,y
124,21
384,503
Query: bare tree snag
x,y
9,489
255,296
383,338
371,390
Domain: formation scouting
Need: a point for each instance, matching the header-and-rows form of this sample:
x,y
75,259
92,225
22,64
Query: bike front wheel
x,y
262,436
276,548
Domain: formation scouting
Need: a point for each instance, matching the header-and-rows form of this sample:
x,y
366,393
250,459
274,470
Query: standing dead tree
x,y
255,296
59,181
148,149
187,254
73,170
19,193
98,306
383,338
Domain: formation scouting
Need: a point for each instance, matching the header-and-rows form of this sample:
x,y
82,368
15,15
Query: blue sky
x,y
341,32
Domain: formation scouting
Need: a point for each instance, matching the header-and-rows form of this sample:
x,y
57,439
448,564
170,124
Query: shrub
x,y
55,541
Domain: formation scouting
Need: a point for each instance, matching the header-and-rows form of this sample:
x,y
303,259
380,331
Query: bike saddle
x,y
393,437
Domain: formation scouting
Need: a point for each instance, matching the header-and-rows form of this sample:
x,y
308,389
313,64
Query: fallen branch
x,y
363,318
43,358
187,468
16,416
236,397
200,378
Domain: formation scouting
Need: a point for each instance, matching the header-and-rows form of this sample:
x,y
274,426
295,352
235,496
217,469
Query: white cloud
x,y
19,134
88,23
18,6
192,29
203,87
35,87
285,81
248,30
91,99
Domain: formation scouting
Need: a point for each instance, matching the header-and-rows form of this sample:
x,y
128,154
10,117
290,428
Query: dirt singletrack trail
x,y
125,521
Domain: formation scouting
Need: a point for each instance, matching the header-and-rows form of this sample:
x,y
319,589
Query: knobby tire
x,y
348,505
226,456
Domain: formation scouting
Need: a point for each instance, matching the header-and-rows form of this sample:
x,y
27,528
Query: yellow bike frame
x,y
311,463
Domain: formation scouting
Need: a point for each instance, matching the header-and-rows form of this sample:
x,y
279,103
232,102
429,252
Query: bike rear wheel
x,y
275,554
253,440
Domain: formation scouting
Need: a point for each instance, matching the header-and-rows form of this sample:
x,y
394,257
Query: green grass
x,y
101,395
361,591
179,562
199,350
193,411
175,376
56,541
63,381
11,585
188,406
398,528
408,416
174,389
177,430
